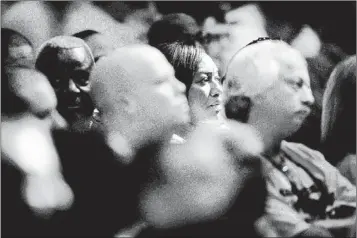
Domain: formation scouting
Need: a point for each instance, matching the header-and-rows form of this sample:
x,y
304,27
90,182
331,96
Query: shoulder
x,y
312,160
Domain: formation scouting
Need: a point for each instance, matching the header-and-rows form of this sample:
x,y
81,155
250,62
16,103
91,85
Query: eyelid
x,y
43,114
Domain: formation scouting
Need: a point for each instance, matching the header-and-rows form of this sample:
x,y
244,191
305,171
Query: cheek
x,y
283,101
198,94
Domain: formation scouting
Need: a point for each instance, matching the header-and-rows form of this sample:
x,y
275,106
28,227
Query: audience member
x,y
67,61
268,87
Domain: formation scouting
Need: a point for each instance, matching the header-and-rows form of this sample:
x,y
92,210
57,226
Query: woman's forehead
x,y
207,65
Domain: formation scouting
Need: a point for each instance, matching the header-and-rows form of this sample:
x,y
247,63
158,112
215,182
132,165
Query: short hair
x,y
47,59
85,34
184,58
338,124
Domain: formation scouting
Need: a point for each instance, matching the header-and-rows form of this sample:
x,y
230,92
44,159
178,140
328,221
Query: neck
x,y
271,139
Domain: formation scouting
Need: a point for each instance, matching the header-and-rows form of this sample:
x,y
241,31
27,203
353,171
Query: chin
x,y
290,131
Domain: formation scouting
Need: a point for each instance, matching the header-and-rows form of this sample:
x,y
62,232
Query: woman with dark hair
x,y
192,65
338,124
180,43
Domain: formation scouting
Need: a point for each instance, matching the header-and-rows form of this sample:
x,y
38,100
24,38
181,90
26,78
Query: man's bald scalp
x,y
256,67
63,42
120,72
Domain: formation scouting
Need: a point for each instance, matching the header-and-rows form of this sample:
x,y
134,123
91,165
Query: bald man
x,y
140,102
267,86
67,61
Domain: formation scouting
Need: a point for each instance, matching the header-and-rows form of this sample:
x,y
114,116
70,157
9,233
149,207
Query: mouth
x,y
73,107
74,103
302,114
216,107
215,104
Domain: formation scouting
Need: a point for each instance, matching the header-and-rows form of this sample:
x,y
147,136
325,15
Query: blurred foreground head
x,y
67,61
215,171
136,91
267,85
27,91
338,124
16,49
28,116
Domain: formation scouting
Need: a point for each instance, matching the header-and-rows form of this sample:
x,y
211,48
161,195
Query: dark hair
x,y
238,108
338,128
176,36
172,28
85,34
184,58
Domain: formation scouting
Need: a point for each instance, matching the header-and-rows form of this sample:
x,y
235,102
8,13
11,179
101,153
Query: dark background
x,y
335,21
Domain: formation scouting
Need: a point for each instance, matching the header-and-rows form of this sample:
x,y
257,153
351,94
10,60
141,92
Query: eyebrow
x,y
206,72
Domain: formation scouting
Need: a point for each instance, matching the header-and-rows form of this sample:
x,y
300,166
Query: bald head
x,y
135,89
255,68
126,71
268,86
62,51
67,61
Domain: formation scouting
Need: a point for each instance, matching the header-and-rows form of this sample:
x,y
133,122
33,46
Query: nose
x,y
73,87
307,98
216,89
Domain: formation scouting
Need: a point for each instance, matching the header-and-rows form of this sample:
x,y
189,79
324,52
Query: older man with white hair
x,y
267,86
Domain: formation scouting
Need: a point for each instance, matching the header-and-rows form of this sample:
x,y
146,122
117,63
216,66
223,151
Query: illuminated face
x,y
70,80
286,103
161,95
204,95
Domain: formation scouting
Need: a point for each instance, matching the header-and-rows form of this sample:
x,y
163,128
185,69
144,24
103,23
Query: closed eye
x,y
296,83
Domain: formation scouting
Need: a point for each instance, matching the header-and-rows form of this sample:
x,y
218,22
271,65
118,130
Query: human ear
x,y
238,108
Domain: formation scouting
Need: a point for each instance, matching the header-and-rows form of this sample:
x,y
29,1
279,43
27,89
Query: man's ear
x,y
238,108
